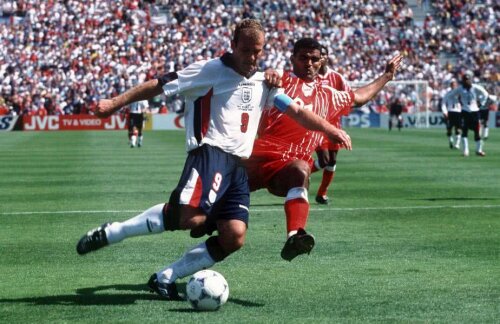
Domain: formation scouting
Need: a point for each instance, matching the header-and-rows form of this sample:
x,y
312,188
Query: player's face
x,y
466,82
247,52
306,63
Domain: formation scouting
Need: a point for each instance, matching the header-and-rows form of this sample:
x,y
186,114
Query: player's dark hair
x,y
250,26
307,43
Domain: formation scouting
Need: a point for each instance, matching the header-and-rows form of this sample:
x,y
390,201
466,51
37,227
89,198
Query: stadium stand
x,y
61,57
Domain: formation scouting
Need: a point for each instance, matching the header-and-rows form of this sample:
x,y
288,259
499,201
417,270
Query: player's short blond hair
x,y
250,27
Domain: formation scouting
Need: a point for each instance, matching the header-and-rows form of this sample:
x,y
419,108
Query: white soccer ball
x,y
207,290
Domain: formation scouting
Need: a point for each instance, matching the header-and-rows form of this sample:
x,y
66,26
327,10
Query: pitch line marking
x,y
252,209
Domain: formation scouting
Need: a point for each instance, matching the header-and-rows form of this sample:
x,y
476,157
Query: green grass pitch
x,y
412,234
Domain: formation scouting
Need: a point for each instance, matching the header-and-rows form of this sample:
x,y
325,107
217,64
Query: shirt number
x,y
245,118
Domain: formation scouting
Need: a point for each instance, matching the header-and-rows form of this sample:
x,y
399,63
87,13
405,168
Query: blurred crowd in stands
x,y
60,57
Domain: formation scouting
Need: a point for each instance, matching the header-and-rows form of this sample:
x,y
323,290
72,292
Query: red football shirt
x,y
294,140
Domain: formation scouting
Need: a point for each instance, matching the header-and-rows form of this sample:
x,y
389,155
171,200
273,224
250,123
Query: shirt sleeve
x,y
194,80
342,102
344,84
482,95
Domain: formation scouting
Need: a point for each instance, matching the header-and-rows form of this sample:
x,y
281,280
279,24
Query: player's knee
x,y
323,161
323,158
231,235
300,170
331,164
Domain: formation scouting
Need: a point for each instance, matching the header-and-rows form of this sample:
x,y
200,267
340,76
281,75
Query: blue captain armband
x,y
282,101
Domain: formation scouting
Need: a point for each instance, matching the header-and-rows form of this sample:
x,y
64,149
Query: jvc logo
x,y
41,122
115,122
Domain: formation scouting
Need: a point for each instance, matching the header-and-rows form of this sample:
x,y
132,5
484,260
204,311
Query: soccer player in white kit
x,y
471,97
224,100
452,112
136,122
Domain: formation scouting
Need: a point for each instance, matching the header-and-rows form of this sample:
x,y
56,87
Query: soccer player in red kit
x,y
327,151
281,160
225,98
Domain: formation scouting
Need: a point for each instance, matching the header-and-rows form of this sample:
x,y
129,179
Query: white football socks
x,y
465,146
479,146
149,222
192,261
457,141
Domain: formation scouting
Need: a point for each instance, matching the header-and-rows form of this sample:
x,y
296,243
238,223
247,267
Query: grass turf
x,y
412,234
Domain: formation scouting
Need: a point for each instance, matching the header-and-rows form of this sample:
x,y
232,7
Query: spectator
x,y
85,51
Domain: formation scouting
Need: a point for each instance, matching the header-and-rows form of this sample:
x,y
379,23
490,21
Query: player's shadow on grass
x,y
454,199
87,296
237,301
108,296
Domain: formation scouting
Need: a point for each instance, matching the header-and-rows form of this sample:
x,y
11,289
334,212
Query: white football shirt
x,y
470,99
450,103
223,108
139,107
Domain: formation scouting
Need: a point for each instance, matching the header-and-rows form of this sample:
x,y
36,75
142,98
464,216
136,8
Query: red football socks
x,y
297,211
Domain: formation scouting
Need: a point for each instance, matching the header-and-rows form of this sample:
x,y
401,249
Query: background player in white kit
x,y
484,115
452,111
136,122
471,97
224,100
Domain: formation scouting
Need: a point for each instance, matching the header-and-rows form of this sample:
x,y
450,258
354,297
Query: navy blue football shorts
x,y
214,181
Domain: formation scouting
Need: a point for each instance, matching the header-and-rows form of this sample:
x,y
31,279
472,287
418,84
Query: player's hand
x,y
273,79
104,108
339,136
445,115
393,65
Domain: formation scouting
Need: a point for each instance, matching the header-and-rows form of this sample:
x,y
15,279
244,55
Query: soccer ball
x,y
207,290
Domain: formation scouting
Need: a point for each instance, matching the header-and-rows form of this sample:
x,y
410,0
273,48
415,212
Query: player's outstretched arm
x,y
367,92
311,121
144,91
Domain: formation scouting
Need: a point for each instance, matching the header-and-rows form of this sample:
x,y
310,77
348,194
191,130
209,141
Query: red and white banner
x,y
73,122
